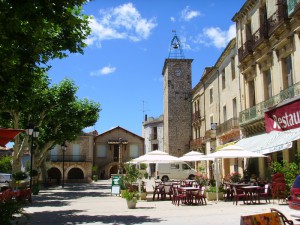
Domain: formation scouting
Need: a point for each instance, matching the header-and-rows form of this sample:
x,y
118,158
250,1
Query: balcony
x,y
196,116
228,126
68,158
260,35
293,6
278,17
257,112
245,50
196,143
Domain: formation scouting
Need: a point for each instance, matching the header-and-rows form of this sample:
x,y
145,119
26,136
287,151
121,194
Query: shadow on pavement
x,y
69,217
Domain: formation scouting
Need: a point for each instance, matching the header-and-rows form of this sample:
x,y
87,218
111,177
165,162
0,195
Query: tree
x,y
5,164
31,34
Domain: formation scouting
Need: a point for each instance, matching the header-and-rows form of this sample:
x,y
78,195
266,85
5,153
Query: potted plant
x,y
131,198
19,176
211,193
130,177
143,191
235,177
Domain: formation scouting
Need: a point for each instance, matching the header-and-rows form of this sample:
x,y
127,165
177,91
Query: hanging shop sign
x,y
283,118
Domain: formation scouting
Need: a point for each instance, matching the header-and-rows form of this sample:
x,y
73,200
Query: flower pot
x,y
131,204
35,189
212,196
143,195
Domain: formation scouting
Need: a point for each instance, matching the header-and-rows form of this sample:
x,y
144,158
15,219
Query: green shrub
x,y
11,212
5,164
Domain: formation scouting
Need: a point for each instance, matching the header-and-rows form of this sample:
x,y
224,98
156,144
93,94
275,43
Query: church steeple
x,y
175,51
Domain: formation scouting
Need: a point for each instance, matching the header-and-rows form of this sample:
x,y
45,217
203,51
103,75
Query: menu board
x,y
115,184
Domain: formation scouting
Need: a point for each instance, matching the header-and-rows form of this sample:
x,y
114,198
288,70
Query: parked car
x,y
294,198
5,177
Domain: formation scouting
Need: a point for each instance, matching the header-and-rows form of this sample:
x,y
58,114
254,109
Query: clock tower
x,y
177,75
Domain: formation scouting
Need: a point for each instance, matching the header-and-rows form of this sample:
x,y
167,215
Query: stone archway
x,y
54,175
111,168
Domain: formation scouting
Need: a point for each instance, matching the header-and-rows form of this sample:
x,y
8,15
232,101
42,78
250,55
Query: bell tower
x,y
177,75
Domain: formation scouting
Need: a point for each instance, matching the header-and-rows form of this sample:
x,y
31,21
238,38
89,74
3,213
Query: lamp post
x,y
63,148
33,132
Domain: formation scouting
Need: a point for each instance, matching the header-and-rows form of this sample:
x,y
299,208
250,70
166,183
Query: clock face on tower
x,y
177,72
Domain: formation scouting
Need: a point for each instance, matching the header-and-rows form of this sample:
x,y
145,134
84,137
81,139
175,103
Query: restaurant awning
x,y
7,135
270,142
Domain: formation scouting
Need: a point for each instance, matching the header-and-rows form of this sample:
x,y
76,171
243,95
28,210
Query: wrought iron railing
x,y
196,116
277,17
227,126
245,49
260,35
68,158
257,112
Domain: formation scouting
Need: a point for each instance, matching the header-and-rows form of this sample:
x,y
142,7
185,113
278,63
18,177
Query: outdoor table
x,y
252,192
189,195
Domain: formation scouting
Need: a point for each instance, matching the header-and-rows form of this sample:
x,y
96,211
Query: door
x,y
116,153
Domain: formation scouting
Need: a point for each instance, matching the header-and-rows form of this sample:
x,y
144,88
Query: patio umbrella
x,y
156,156
231,151
6,135
192,156
234,151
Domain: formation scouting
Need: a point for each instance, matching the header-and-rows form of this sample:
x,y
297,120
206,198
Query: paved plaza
x,y
94,204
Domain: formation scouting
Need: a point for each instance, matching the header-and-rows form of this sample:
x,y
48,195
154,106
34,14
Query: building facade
x,y
153,132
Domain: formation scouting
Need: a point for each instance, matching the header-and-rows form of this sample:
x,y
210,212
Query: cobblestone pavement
x,y
94,204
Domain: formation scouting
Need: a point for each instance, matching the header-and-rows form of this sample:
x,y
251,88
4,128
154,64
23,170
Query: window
x,y
134,151
76,152
224,113
287,72
154,133
174,166
211,96
232,68
234,108
54,153
101,151
223,79
185,166
251,92
267,84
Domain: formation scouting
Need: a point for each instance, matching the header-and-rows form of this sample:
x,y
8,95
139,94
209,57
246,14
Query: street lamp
x,y
63,148
33,132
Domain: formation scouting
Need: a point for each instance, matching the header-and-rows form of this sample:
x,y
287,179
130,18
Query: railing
x,y
196,143
227,126
260,35
293,6
196,115
257,112
68,158
277,17
245,49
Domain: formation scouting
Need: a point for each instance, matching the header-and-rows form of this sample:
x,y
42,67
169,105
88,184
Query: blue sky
x,y
122,65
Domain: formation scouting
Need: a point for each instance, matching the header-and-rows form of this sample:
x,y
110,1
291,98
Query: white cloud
x,y
216,36
122,22
172,19
103,71
187,14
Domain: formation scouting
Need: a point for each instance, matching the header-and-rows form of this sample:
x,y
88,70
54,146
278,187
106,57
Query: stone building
x,y
177,83
93,154
268,51
115,147
215,105
72,163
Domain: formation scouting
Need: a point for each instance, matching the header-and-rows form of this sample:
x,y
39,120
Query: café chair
x,y
239,194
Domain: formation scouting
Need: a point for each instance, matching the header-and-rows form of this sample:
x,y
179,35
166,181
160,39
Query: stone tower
x,y
177,100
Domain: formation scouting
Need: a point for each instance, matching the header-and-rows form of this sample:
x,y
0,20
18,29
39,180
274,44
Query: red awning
x,y
7,135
